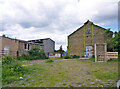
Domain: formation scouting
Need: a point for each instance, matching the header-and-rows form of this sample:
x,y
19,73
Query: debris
x,y
118,84
21,77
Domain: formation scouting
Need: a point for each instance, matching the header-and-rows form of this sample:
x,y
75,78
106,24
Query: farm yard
x,y
67,73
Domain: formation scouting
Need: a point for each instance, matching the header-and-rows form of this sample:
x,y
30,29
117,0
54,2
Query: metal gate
x,y
89,51
100,52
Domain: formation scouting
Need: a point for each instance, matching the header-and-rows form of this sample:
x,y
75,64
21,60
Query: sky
x,y
55,19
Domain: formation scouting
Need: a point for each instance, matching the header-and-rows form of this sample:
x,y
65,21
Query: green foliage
x,y
92,58
49,61
112,60
72,57
75,56
113,43
109,75
11,70
67,57
108,33
109,40
3,35
34,54
116,42
37,52
28,57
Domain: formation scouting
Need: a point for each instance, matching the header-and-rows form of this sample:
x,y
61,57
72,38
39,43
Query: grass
x,y
68,73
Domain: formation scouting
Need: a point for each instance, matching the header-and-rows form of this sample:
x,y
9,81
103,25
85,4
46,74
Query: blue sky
x,y
55,19
114,27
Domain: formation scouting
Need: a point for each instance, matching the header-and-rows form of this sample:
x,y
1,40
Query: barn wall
x,y
76,40
0,43
79,39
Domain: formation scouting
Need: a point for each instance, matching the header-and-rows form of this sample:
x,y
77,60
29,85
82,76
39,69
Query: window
x,y
88,31
27,46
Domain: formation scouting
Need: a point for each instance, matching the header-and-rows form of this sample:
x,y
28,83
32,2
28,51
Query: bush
x,y
67,57
37,52
112,60
93,56
76,56
11,70
34,54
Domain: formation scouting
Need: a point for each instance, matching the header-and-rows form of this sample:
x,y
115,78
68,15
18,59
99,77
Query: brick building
x,y
14,47
81,42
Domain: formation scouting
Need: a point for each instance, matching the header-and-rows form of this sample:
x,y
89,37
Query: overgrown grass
x,y
31,57
11,70
49,61
109,75
68,73
113,60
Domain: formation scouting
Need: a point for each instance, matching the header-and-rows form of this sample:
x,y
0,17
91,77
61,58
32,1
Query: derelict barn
x,y
81,42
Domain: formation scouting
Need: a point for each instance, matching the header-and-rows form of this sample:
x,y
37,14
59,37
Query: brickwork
x,y
12,47
87,35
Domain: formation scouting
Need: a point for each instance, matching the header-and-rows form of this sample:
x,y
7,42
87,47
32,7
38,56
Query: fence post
x,y
95,53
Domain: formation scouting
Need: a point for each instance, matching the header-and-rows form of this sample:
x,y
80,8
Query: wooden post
x,y
95,53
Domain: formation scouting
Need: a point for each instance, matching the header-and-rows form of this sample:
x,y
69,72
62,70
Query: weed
x,y
49,61
112,60
11,70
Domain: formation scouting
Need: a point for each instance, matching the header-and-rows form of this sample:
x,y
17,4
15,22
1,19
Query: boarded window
x,y
88,31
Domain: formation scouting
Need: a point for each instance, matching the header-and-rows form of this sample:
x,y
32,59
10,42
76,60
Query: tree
x,y
38,52
3,35
116,42
61,51
109,40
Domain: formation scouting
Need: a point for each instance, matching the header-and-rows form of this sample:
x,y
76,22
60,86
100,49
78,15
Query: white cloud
x,y
56,19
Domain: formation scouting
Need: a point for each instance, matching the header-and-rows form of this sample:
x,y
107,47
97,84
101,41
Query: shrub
x,y
76,56
67,57
11,70
34,54
112,60
93,56
37,52
92,59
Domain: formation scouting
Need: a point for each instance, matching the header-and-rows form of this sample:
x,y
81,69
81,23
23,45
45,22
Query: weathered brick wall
x,y
9,46
21,49
76,43
79,39
13,47
0,43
